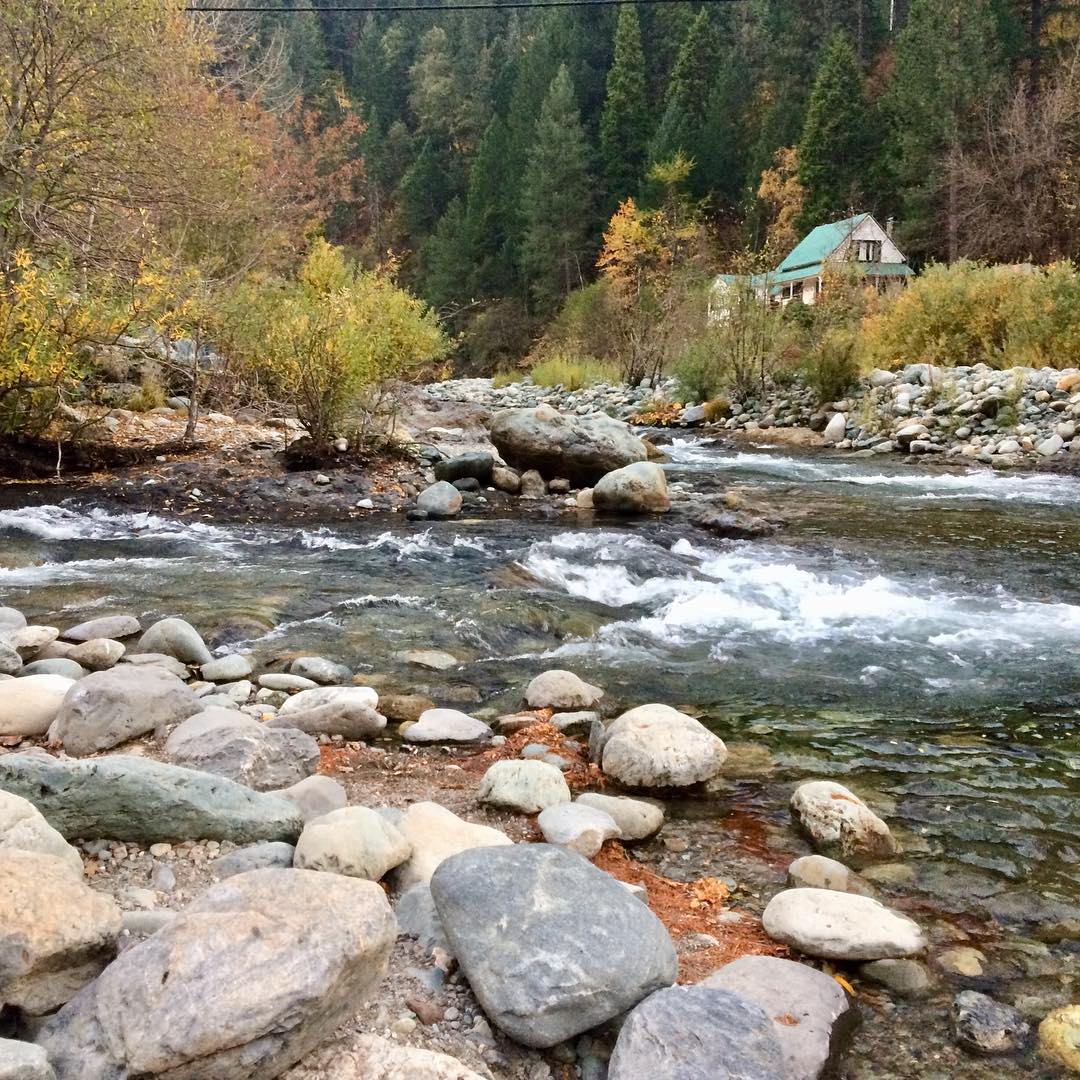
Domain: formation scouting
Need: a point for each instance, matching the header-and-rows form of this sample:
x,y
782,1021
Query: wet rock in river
x,y
986,1026
820,872
109,707
320,670
551,945
176,638
840,824
107,626
558,689
29,705
120,797
435,833
908,978
696,1033
1059,1037
447,726
635,818
577,827
353,841
527,786
319,943
229,668
962,960
811,1014
441,500
840,926
640,488
656,746
229,743
56,933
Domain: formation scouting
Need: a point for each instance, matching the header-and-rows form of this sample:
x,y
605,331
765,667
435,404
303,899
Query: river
x,y
911,631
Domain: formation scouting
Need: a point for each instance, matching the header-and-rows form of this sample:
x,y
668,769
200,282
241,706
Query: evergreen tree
x,y
833,156
556,197
949,66
443,283
491,216
694,71
624,121
422,195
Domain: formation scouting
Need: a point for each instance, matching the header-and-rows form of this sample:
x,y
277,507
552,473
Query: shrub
x,y
506,378
573,372
969,313
699,372
149,395
831,365
327,344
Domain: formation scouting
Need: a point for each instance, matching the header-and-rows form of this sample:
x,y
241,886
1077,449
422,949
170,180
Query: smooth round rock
x,y
840,926
29,705
176,638
821,872
576,827
447,725
635,818
558,689
353,841
527,786
108,626
840,824
227,669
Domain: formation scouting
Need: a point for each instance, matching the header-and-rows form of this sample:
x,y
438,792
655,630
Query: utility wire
x,y
403,9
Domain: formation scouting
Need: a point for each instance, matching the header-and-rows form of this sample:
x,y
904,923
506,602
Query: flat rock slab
x,y
251,977
107,708
56,933
696,1033
811,1013
551,945
131,798
840,926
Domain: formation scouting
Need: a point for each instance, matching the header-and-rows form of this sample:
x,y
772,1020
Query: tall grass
x,y
574,372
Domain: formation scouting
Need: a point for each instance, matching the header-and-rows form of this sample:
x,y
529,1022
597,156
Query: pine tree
x,y
490,216
694,71
556,198
422,195
949,66
624,121
833,155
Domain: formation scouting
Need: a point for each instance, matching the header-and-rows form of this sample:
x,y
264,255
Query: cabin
x,y
857,240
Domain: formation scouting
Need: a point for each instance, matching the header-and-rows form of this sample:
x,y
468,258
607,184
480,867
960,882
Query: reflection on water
x,y
916,632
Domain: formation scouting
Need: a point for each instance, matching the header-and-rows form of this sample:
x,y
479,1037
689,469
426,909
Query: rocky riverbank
x,y
175,819
1012,417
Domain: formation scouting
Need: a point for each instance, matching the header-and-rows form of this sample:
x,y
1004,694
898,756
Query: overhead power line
x,y
360,9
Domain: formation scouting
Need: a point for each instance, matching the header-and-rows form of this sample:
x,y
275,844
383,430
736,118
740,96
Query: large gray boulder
x,y
640,488
107,708
840,824
811,1013
232,744
578,448
176,638
656,746
840,926
23,827
56,933
695,1033
131,798
252,976
476,465
29,705
551,945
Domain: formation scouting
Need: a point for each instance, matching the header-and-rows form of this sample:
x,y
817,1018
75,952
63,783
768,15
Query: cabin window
x,y
870,251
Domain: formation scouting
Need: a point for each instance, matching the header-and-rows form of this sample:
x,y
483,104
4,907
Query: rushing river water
x,y
914,633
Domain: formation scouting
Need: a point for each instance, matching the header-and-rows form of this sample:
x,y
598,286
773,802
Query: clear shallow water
x,y
915,633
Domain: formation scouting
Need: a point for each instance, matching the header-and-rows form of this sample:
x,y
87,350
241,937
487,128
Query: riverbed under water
x,y
912,632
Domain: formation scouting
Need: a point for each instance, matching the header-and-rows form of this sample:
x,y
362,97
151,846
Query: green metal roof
x,y
820,243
